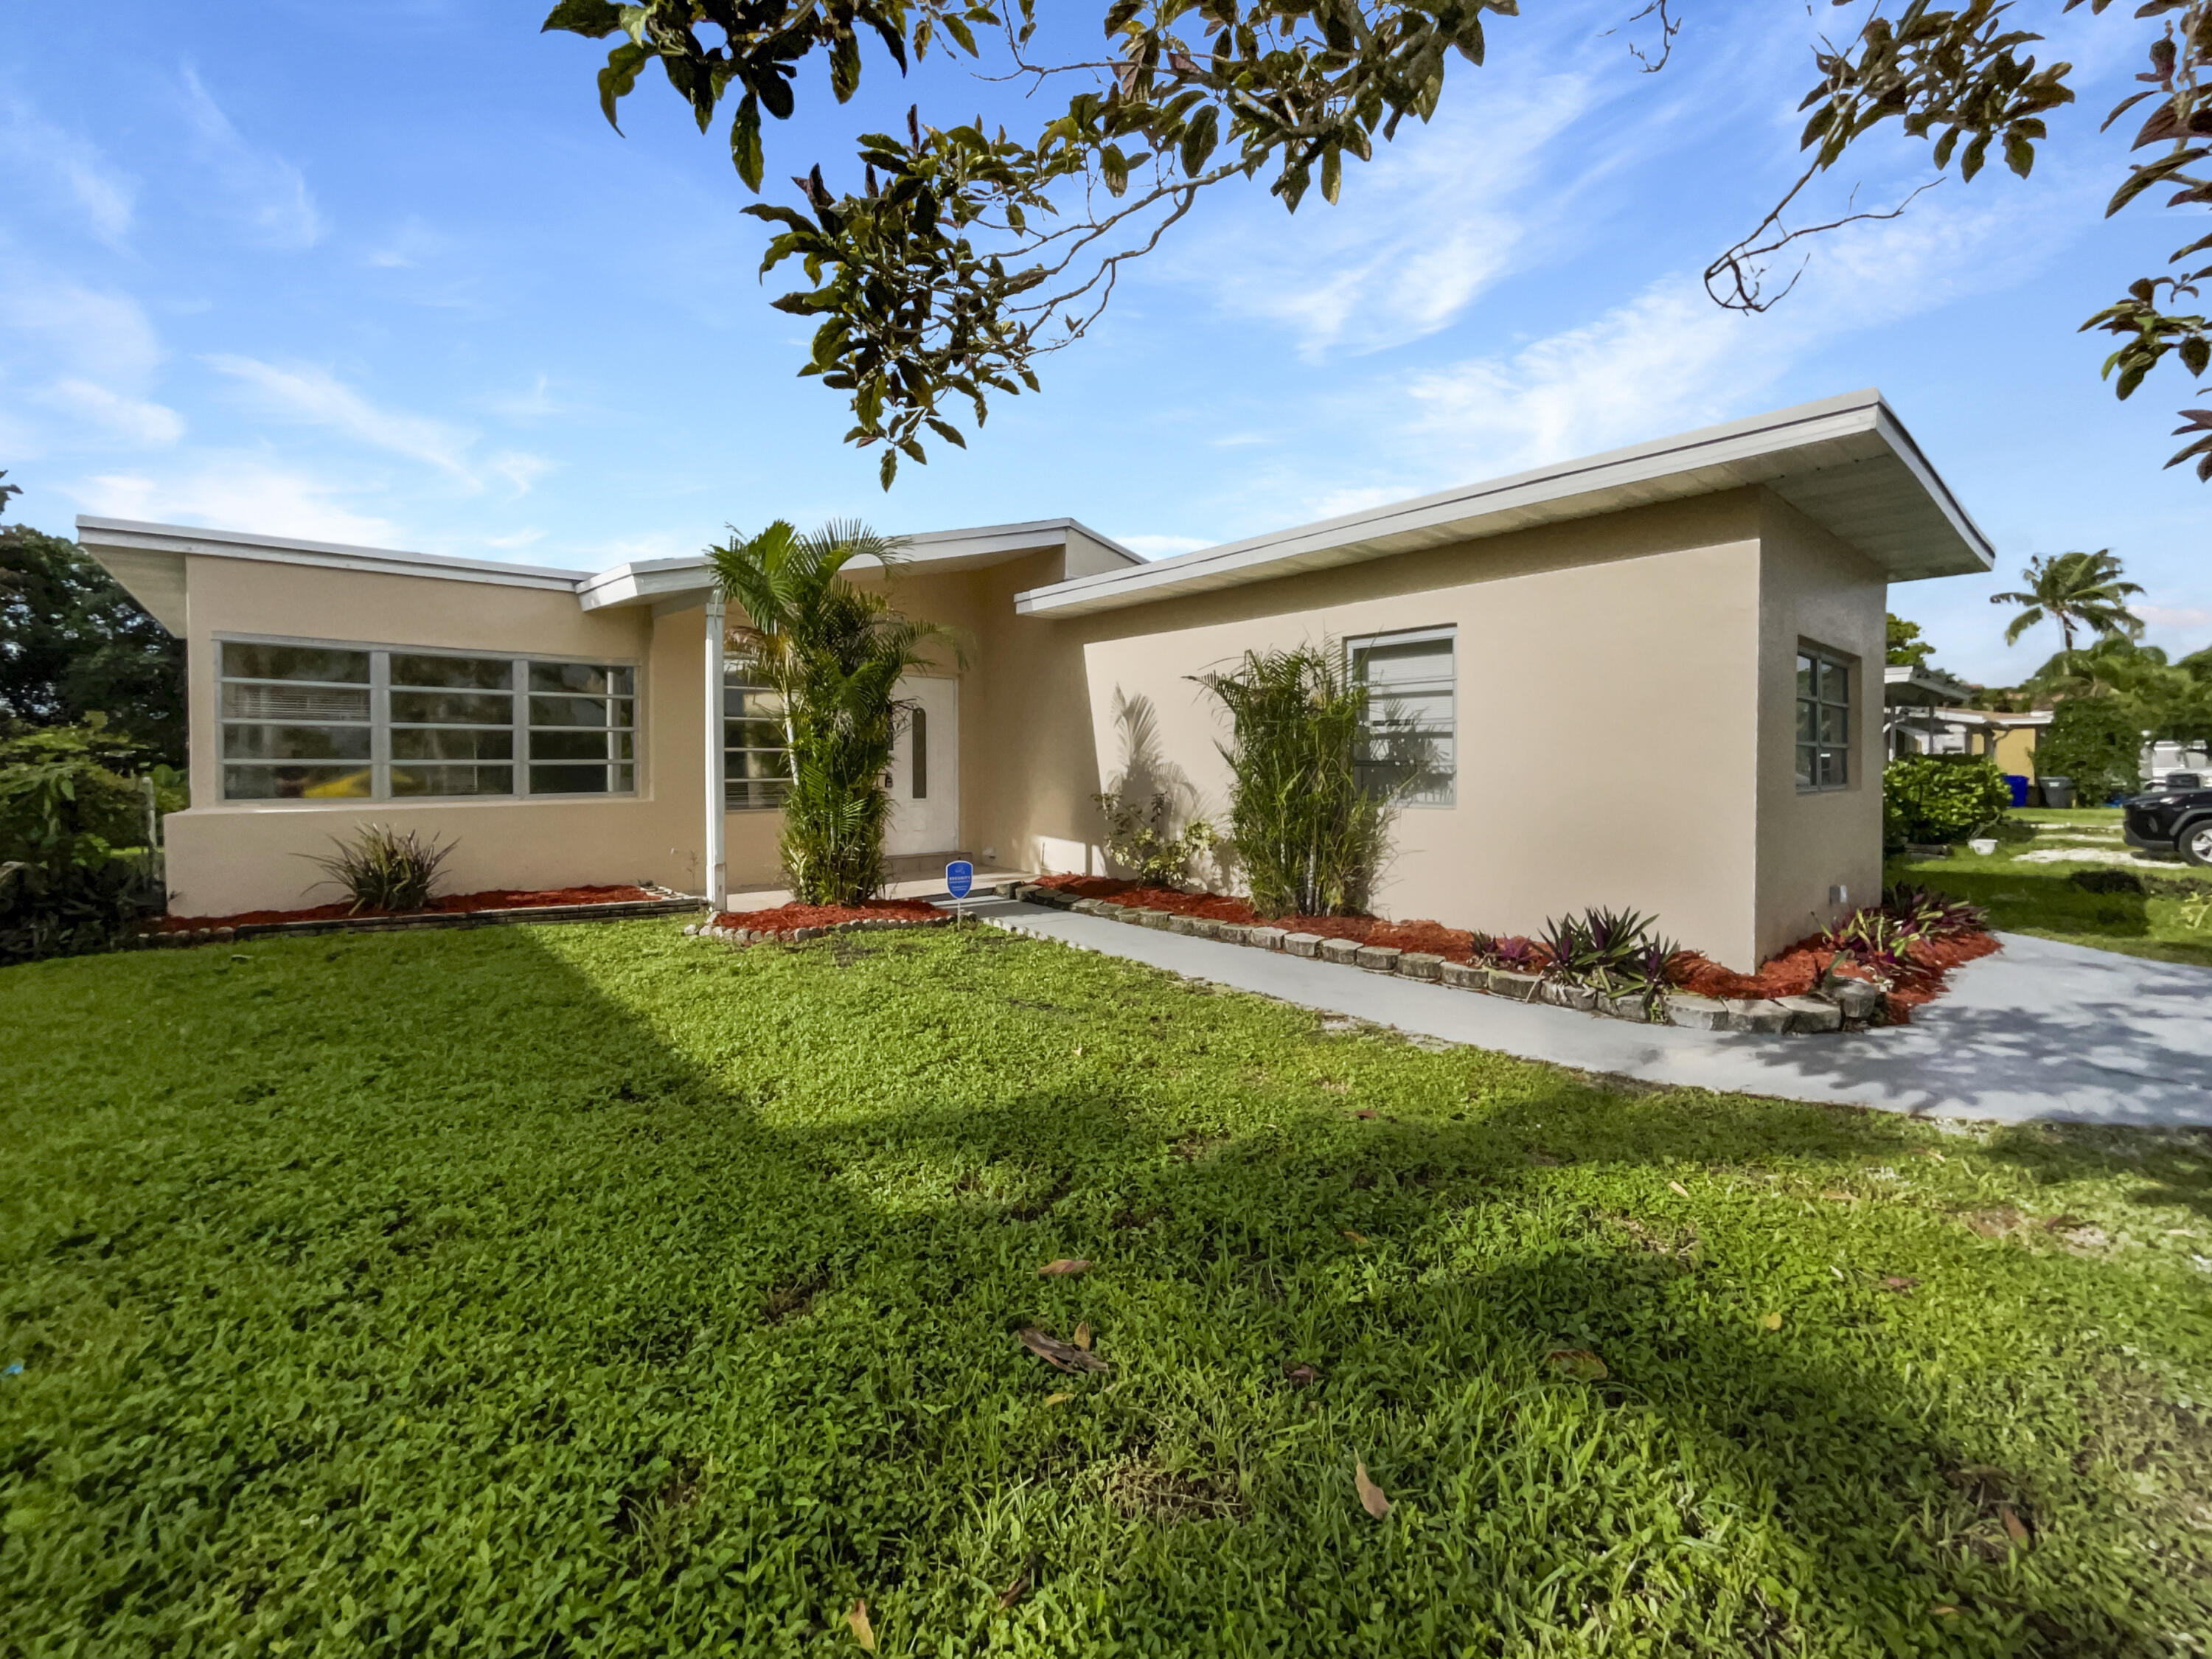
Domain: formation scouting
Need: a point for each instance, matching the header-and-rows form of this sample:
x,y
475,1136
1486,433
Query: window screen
x,y
756,764
339,722
296,723
1410,741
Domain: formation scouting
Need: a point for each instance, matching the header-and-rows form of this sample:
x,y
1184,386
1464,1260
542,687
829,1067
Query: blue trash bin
x,y
2018,785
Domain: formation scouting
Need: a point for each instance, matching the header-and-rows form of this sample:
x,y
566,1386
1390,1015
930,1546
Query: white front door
x,y
926,769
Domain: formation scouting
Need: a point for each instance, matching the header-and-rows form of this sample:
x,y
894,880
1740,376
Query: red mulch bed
x,y
1452,943
789,918
493,898
1792,971
1796,968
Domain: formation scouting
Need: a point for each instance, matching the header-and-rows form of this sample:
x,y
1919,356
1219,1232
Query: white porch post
x,y
718,890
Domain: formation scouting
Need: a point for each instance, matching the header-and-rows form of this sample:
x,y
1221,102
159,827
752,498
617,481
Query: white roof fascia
x,y
659,582
1936,687
178,540
1842,459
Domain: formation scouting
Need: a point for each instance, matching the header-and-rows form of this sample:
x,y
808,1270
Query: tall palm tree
x,y
833,653
2075,590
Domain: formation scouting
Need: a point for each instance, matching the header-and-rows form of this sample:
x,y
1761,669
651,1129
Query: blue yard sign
x,y
959,877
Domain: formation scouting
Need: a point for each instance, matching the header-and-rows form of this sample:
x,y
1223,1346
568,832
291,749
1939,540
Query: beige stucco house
x,y
1652,678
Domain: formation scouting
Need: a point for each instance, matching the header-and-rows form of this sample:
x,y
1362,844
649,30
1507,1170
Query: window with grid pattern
x,y
756,764
1410,740
1823,720
307,722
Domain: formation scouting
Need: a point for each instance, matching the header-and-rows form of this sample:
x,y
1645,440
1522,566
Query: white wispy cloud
x,y
136,421
98,333
315,397
1436,219
234,491
268,192
41,155
1669,358
2179,618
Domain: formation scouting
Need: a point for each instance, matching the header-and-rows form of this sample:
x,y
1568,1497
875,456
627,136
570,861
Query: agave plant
x,y
1598,941
835,654
385,869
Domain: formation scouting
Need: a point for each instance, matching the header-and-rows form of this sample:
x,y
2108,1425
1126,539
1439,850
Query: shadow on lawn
x,y
851,1265
1887,1512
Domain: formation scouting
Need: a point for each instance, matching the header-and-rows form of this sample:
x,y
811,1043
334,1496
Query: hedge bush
x,y
1928,798
75,874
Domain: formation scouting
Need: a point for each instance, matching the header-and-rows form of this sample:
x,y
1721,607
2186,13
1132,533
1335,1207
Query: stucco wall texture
x,y
1624,707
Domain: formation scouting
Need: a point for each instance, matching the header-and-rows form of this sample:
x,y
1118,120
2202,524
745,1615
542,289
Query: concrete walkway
x,y
2040,1031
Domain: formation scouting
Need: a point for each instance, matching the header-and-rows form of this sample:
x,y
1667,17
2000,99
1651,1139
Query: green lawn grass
x,y
2043,899
598,1290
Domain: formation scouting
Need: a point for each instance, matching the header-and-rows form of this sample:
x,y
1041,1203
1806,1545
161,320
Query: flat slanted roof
x,y
149,560
1846,463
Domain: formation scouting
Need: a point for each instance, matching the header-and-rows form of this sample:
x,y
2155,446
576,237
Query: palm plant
x,y
2076,591
834,653
1311,832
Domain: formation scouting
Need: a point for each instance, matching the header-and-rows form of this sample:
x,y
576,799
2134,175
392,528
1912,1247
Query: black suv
x,y
2172,821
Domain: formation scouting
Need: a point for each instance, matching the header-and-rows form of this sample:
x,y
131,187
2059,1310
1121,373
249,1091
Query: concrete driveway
x,y
2039,1030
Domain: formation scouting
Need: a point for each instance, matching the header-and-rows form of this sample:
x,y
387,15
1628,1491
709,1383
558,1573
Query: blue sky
x,y
382,274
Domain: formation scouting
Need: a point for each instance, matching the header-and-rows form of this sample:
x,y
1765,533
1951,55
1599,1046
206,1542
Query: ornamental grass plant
x,y
1310,831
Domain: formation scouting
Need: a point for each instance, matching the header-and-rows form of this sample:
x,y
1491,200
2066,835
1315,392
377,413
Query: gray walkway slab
x,y
2039,1030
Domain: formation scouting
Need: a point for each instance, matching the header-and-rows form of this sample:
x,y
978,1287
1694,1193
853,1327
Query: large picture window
x,y
1410,740
756,763
1823,720
326,722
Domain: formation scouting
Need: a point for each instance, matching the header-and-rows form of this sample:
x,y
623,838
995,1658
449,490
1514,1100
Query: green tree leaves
x,y
962,256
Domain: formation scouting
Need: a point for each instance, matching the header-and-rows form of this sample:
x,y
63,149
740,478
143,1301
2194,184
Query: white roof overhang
x,y
661,581
1846,463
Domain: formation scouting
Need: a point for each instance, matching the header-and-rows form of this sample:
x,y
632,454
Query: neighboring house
x,y
1650,678
1924,713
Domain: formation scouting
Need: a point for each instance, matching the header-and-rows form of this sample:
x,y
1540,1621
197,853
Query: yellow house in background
x,y
1651,678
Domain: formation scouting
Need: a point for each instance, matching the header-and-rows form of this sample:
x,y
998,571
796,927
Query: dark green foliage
x,y
1310,834
385,869
1612,951
76,869
834,654
1906,649
73,643
1929,798
2097,742
71,795
595,1291
72,909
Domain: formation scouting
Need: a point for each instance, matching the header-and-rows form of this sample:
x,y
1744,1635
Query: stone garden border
x,y
800,935
1767,1015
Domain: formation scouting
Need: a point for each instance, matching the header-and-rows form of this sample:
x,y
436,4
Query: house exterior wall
x,y
2015,749
1624,717
1607,711
227,857
1814,590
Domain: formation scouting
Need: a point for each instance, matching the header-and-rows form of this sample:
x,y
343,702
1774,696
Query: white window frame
x,y
381,726
1446,797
